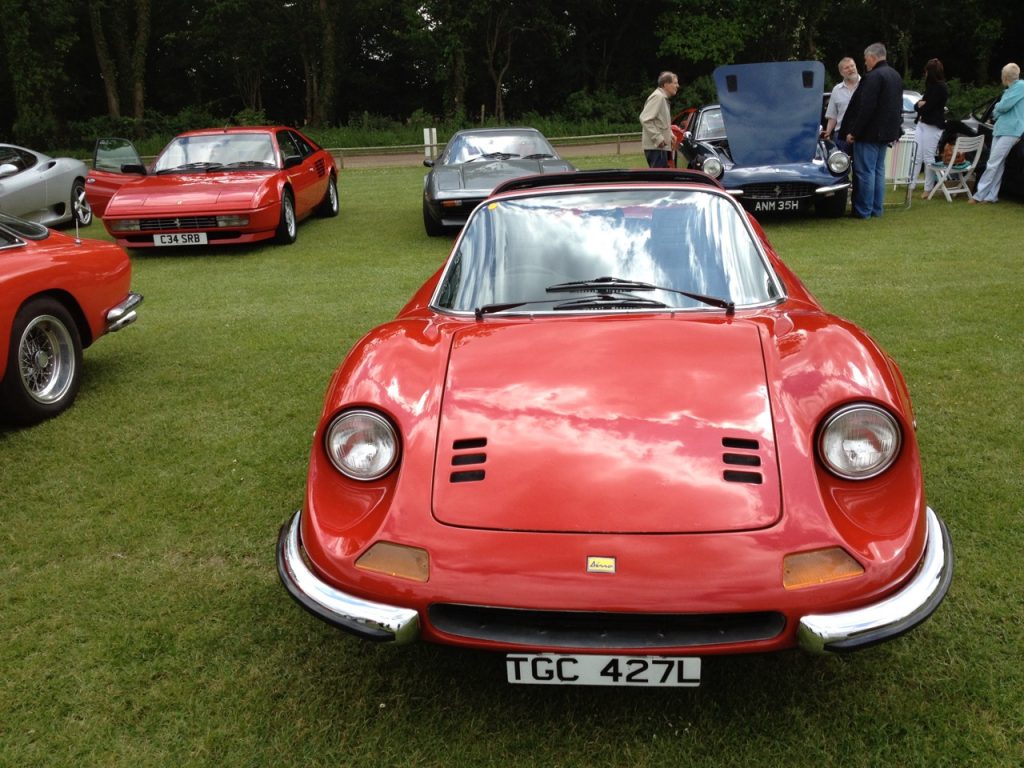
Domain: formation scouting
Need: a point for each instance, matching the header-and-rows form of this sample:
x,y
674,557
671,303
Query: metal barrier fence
x,y
432,150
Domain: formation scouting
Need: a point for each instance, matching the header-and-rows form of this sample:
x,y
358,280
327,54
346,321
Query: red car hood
x,y
640,425
188,193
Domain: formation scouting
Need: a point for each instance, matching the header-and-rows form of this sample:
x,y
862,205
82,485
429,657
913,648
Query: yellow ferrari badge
x,y
600,564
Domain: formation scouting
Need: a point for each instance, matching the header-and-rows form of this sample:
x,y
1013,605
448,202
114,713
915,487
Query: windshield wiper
x,y
204,167
613,285
611,301
538,156
493,156
490,309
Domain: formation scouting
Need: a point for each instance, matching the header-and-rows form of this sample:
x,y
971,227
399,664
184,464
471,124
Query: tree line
x,y
75,68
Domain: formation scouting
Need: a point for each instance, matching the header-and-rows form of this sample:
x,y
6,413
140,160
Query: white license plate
x,y
773,206
640,671
181,238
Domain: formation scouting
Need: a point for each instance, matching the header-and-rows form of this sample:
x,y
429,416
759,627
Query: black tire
x,y
433,227
81,211
44,363
330,205
831,207
287,228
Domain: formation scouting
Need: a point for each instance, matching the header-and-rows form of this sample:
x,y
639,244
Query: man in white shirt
x,y
840,100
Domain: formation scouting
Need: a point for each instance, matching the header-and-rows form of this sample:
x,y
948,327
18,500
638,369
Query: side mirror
x,y
139,170
428,163
8,169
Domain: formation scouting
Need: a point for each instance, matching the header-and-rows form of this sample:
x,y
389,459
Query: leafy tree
x,y
37,40
120,32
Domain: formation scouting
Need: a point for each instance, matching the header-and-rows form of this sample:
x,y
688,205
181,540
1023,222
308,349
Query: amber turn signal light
x,y
806,569
396,560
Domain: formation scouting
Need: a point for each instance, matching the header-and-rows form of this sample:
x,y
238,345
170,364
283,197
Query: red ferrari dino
x,y
614,434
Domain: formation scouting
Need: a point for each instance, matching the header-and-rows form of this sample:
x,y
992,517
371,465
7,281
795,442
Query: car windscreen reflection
x,y
522,251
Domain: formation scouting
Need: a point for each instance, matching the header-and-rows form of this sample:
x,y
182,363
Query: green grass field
x,y
142,619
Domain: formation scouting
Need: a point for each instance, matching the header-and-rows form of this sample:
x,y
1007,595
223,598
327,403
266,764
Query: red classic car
x,y
614,434
58,294
213,187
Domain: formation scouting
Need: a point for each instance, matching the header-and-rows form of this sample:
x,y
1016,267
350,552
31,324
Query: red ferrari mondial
x,y
612,435
213,187
58,294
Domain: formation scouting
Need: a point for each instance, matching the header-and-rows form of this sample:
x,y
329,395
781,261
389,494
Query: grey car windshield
x,y
471,146
514,250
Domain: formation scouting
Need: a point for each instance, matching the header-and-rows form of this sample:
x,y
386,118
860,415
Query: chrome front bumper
x,y
896,614
369,620
123,314
819,633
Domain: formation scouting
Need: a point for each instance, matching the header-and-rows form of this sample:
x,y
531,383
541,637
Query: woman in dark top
x,y
931,120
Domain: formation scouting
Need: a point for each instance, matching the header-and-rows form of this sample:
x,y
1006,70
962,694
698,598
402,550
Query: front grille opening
x,y
575,629
780,190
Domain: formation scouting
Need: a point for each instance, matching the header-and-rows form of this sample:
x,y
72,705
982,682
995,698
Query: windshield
x,y
244,151
710,125
16,228
513,251
465,147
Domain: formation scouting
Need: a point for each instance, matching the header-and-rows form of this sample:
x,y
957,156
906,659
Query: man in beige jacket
x,y
656,121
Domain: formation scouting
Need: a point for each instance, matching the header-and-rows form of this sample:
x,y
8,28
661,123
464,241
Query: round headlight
x,y
839,162
859,441
362,445
712,167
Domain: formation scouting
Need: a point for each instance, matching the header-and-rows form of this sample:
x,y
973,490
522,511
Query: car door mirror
x,y
133,168
8,169
428,163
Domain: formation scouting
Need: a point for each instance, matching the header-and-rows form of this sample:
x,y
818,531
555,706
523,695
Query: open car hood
x,y
617,425
772,111
187,193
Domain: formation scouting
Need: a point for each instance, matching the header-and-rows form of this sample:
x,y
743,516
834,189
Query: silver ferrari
x,y
47,190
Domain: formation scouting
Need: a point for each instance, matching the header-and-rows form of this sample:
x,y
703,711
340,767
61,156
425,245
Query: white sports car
x,y
44,189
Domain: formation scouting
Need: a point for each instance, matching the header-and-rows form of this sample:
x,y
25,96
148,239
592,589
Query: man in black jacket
x,y
876,122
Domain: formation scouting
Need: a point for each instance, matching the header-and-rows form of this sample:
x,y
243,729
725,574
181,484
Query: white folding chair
x,y
953,175
900,162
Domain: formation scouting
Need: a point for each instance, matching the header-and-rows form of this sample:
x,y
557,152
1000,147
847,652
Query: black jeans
x,y
656,158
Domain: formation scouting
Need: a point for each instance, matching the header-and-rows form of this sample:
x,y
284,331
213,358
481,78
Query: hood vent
x,y
469,453
733,458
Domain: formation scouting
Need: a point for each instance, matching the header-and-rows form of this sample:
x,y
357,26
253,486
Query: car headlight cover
x,y
859,441
839,162
712,167
362,445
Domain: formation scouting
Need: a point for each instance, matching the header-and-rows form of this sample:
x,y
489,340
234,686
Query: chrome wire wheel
x,y
46,359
